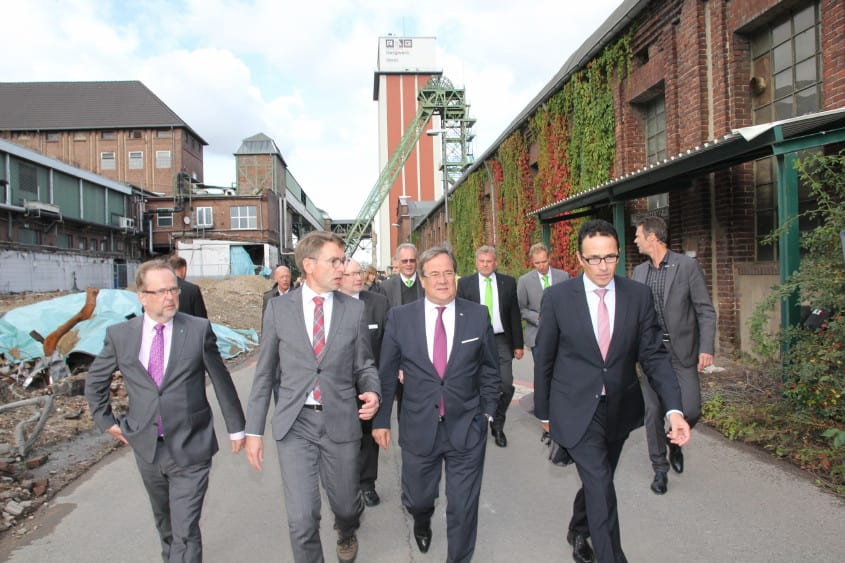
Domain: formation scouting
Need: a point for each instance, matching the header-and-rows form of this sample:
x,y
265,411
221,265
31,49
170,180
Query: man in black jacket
x,y
190,296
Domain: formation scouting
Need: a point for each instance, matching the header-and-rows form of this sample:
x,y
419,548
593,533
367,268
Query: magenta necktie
x,y
439,359
604,323
155,366
319,338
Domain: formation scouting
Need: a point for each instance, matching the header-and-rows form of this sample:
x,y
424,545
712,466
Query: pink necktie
x,y
319,338
155,366
440,350
604,323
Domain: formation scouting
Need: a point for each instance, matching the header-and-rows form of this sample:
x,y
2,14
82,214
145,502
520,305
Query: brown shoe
x,y
347,548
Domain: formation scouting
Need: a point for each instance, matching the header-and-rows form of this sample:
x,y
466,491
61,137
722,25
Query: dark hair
x,y
177,262
655,225
433,253
596,227
312,243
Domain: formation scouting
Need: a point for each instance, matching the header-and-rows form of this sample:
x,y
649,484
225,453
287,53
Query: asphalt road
x,y
731,504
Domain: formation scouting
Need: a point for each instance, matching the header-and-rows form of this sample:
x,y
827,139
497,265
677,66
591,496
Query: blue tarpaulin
x,y
240,264
113,306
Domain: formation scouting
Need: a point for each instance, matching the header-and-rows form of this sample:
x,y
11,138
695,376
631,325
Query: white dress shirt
x,y
448,324
498,327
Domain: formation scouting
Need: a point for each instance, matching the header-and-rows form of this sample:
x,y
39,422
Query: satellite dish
x,y
186,219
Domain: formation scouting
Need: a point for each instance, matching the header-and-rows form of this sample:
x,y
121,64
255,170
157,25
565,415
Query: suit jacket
x,y
268,295
286,355
181,401
190,299
375,311
687,309
508,304
470,386
392,289
569,371
529,294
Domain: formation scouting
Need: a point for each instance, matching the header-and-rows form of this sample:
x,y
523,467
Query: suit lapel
x,y
583,317
671,269
338,313
458,333
177,342
620,316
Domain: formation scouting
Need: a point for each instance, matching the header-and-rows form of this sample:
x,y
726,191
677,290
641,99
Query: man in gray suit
x,y
315,341
445,347
163,357
281,276
529,289
688,320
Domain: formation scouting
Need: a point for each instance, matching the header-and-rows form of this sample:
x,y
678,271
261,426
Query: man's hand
x,y
704,360
238,445
255,451
117,433
381,437
401,377
518,353
680,433
370,406
544,426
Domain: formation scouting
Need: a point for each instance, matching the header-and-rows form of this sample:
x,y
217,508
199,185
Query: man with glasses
x,y
497,292
594,329
688,320
315,342
163,357
446,349
375,308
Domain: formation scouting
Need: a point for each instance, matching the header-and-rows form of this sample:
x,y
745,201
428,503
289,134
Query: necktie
x,y
545,281
409,283
155,366
604,323
319,338
488,296
440,349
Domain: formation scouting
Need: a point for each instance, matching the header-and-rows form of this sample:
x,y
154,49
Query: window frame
x,y
246,214
203,211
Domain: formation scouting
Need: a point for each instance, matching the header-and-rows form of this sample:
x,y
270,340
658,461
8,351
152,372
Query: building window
x,y
64,240
164,134
82,243
244,217
107,161
27,181
136,160
80,136
655,143
786,67
52,137
136,134
162,159
164,220
28,236
204,217
93,245
108,135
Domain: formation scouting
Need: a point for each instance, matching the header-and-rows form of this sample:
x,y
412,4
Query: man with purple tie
x,y
163,357
446,349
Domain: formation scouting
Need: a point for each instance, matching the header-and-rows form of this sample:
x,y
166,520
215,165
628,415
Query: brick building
x,y
700,137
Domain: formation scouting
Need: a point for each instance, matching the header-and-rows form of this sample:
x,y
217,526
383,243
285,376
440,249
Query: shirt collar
x,y
309,294
433,306
150,324
589,286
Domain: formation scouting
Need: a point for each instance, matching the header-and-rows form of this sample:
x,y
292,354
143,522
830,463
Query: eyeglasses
x,y
172,291
447,275
596,260
357,274
334,262
408,260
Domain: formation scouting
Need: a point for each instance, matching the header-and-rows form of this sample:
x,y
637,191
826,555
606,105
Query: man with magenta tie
x,y
447,352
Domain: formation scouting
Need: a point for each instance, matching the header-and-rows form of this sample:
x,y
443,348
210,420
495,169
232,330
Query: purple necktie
x,y
319,338
155,366
604,323
439,359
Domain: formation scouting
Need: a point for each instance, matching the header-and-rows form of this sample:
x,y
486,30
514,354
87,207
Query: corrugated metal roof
x,y
259,144
63,106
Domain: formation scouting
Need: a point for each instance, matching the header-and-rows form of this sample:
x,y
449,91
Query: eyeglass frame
x,y
160,293
359,273
610,259
333,262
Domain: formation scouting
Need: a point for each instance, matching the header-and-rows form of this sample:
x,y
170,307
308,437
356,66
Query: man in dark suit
x,y
190,296
446,349
688,320
163,357
498,293
375,307
315,343
594,329
402,288
281,285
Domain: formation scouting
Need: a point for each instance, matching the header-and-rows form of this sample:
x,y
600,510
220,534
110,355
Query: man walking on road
x,y
594,329
688,320
446,349
375,306
497,292
315,343
163,357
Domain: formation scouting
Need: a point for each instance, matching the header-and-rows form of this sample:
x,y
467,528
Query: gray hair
x,y
433,253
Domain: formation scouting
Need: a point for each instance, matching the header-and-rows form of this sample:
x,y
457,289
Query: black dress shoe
x,y
499,437
422,533
659,483
676,458
371,497
581,550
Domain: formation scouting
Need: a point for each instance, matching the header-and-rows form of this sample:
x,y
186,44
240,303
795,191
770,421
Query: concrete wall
x,y
25,271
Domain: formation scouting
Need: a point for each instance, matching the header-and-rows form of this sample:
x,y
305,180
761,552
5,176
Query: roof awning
x,y
737,147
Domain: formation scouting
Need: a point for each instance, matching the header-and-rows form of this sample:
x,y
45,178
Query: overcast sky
x,y
300,72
